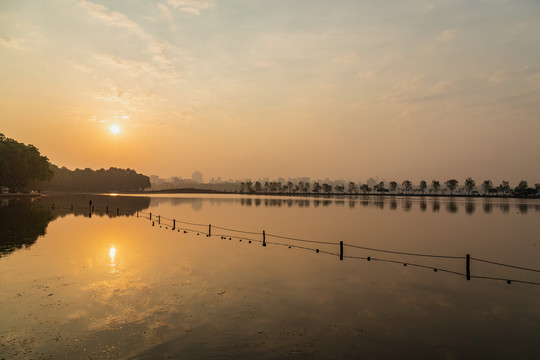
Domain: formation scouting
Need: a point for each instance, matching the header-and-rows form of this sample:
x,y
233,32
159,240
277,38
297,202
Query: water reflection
x,y
451,205
23,221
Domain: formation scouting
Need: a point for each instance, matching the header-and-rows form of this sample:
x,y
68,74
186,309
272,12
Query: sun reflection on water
x,y
113,261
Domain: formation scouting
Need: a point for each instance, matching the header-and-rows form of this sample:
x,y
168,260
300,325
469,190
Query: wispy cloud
x,y
10,43
346,58
110,17
128,99
447,35
190,6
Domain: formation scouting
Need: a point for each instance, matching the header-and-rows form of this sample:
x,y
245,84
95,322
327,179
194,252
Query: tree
x,y
352,188
407,186
327,188
451,185
21,164
436,186
393,186
258,186
316,187
470,185
340,189
242,187
249,185
266,186
504,188
365,188
537,187
380,187
290,186
423,186
487,185
306,187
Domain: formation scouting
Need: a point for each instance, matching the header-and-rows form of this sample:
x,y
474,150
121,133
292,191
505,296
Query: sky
x,y
347,89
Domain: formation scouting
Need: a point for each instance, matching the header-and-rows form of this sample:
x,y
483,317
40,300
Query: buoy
x,y
317,251
368,258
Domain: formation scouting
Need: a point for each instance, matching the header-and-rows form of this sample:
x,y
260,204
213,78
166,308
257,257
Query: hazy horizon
x,y
348,90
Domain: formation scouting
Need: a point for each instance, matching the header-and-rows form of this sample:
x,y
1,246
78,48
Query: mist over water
x,y
116,286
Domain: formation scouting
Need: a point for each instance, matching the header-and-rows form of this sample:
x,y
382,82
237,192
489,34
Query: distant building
x,y
197,176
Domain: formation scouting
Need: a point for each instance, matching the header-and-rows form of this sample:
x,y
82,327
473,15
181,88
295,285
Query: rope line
x,y
303,240
236,236
503,279
238,231
404,253
506,265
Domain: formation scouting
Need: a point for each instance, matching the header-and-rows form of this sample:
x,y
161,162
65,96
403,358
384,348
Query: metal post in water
x,y
159,219
209,230
174,224
341,250
150,216
264,238
468,267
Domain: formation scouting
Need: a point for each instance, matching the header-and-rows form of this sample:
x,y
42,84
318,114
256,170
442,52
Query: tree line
x,y
469,187
110,180
23,168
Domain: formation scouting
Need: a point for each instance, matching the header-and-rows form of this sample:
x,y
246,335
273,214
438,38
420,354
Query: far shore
x,y
312,194
285,194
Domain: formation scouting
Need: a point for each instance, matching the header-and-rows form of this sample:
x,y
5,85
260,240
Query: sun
x,y
115,129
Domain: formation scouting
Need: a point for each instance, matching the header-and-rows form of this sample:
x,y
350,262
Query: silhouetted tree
x,y
393,186
316,187
487,185
340,189
423,186
451,185
365,188
258,186
306,187
352,188
407,186
21,164
327,188
436,186
504,188
266,186
242,187
290,186
470,185
380,187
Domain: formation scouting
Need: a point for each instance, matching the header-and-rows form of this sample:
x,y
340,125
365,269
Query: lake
x,y
113,283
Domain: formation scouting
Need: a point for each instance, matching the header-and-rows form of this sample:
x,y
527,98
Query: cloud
x,y
136,68
165,12
110,17
191,6
10,43
128,99
346,59
447,35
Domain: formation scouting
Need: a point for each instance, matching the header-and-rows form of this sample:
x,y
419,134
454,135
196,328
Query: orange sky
x,y
249,89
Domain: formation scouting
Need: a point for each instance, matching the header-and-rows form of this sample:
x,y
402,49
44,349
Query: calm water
x,y
106,286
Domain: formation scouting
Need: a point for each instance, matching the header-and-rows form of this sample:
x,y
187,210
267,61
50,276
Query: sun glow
x,y
115,129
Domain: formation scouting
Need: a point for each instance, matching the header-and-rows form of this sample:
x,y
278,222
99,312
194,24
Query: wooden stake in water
x,y
341,250
173,224
209,230
264,238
